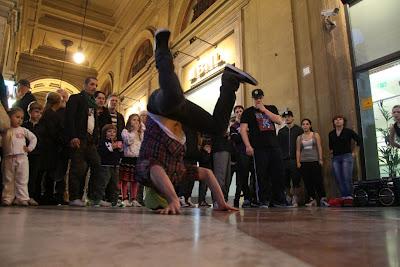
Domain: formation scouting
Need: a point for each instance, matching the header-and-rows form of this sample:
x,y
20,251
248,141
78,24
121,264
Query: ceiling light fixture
x,y
79,57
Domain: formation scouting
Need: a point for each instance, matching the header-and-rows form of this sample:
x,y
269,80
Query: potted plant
x,y
388,155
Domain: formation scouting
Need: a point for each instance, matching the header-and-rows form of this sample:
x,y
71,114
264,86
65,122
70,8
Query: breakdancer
x,y
160,164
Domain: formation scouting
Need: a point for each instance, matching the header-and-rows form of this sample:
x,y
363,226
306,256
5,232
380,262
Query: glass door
x,y
378,92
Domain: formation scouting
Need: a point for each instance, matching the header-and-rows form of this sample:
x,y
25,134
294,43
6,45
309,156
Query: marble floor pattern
x,y
65,236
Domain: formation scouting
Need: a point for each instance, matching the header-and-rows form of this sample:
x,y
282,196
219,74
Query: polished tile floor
x,y
64,236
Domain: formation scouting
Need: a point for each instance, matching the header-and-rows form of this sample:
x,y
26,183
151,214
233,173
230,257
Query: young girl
x,y
309,161
340,144
132,137
395,128
15,164
109,151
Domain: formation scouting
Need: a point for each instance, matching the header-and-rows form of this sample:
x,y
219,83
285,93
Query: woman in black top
x,y
342,162
395,128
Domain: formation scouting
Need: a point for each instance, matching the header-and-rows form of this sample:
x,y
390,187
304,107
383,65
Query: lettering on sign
x,y
213,62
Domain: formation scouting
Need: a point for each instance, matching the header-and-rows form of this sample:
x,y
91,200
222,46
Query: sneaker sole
x,y
249,79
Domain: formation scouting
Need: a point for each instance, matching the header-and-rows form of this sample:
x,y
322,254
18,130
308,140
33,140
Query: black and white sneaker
x,y
161,38
243,76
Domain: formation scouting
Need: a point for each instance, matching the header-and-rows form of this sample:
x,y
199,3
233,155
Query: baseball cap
x,y
257,93
287,113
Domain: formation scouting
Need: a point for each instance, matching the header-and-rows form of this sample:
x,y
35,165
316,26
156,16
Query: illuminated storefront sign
x,y
212,63
209,63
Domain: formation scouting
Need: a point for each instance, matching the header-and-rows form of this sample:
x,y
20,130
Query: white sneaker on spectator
x,y
312,203
32,202
183,202
102,203
77,203
135,203
324,202
127,203
20,202
295,204
189,203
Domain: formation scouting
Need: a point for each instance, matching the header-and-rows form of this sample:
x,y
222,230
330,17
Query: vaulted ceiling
x,y
46,22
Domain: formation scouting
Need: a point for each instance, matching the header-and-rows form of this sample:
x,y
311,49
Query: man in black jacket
x,y
82,135
24,96
287,140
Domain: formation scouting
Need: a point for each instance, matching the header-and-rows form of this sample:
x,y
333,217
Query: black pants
x,y
35,177
269,174
109,182
185,187
61,170
169,100
292,175
242,176
313,181
81,158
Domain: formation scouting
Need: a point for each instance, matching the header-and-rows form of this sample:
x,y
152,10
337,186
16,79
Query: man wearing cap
x,y
287,140
24,96
257,128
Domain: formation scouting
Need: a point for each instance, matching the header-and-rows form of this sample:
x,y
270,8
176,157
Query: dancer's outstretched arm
x,y
163,184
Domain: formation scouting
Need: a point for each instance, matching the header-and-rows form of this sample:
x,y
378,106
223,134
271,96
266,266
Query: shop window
x,y
375,29
379,91
143,54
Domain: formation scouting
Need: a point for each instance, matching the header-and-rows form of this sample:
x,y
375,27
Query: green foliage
x,y
388,155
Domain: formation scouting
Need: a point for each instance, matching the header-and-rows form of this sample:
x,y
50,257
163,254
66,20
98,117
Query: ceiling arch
x,y
51,85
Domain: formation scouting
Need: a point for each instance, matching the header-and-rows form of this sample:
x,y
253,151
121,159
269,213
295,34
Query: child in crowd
x,y
160,164
110,154
51,137
15,164
394,136
132,137
35,170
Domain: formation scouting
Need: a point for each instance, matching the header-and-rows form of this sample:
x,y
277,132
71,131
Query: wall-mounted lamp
x,y
180,52
194,38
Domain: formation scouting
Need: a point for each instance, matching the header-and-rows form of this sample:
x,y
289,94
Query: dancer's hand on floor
x,y
224,207
172,208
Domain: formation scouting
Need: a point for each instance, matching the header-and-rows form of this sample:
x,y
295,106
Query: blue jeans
x,y
343,171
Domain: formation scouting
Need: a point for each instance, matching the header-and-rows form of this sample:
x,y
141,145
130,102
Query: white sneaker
x,y
102,203
324,202
77,203
190,204
312,203
295,204
289,200
183,202
127,203
135,203
32,202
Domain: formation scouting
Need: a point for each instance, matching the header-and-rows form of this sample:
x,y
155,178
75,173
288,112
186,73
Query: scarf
x,y
90,100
